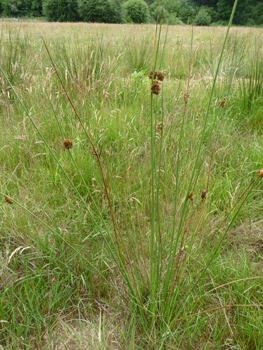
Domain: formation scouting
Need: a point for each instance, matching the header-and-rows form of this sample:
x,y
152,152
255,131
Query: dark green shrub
x,y
257,13
137,10
128,19
212,13
174,20
210,3
106,11
186,11
183,9
154,8
179,10
224,8
116,11
36,8
16,8
161,12
61,10
202,18
172,6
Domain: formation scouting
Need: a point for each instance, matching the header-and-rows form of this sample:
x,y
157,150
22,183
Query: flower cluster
x,y
260,173
9,200
68,144
156,87
159,126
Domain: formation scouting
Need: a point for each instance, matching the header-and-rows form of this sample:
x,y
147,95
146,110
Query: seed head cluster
x,y
156,87
151,74
260,173
9,200
159,126
191,196
160,76
68,144
203,194
222,103
186,97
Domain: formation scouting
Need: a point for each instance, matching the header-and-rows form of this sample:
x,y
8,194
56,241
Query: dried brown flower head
x,y
151,74
159,126
160,76
108,153
9,200
156,87
191,196
186,96
68,144
203,194
260,173
222,103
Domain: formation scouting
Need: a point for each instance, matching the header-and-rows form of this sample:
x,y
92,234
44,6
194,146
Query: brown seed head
x,y
191,196
9,200
203,194
260,173
186,96
156,87
68,144
151,74
108,153
160,76
222,103
159,126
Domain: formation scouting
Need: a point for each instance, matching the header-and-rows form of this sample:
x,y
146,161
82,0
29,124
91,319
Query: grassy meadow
x,y
112,244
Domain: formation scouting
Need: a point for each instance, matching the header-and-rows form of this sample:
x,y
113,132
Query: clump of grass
x,y
110,241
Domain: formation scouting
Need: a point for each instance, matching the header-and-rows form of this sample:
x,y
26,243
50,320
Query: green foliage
x,y
174,20
202,18
36,8
104,11
183,8
178,11
257,13
224,8
248,12
128,19
137,10
61,10
154,9
93,10
209,3
173,6
161,13
116,14
17,8
212,13
139,79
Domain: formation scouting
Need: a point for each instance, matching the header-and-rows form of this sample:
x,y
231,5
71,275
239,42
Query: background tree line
x,y
199,12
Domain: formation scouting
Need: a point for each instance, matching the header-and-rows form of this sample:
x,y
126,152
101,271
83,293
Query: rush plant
x,y
163,272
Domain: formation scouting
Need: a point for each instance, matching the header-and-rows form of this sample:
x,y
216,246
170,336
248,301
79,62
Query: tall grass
x,y
120,220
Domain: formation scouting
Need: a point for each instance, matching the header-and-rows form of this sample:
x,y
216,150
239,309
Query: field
x,y
147,233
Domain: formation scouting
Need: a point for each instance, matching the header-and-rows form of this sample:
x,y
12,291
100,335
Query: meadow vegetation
x,y
147,233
